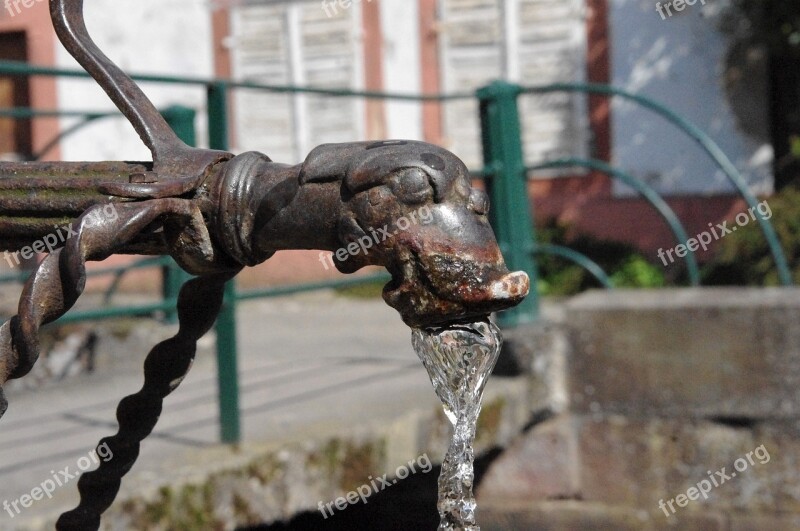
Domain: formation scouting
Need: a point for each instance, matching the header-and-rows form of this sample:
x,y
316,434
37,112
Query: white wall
x,y
680,62
142,36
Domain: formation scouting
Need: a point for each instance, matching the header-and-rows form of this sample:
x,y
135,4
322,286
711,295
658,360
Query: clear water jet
x,y
459,359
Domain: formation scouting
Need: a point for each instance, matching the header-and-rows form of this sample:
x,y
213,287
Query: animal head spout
x,y
410,207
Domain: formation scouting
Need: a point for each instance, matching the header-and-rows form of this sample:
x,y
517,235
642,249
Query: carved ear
x,y
350,232
330,162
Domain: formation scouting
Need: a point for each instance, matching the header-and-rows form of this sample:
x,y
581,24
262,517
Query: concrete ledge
x,y
635,463
725,353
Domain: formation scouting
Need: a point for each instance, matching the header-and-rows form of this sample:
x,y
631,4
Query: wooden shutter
x,y
264,120
471,57
533,42
15,135
331,60
296,44
551,50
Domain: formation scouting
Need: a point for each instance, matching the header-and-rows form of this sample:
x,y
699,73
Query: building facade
x,y
433,46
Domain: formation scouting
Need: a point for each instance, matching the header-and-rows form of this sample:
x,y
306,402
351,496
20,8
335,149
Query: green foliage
x,y
622,263
794,146
638,272
743,258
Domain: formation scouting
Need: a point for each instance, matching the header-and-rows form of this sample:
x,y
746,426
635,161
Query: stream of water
x,y
459,360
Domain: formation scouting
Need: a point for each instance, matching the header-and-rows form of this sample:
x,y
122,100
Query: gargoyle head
x,y
410,207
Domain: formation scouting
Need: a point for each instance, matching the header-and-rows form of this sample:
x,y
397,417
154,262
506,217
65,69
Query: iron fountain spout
x,y
404,205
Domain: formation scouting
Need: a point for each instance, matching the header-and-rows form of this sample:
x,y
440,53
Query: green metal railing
x,y
507,179
87,118
646,191
699,136
508,189
505,173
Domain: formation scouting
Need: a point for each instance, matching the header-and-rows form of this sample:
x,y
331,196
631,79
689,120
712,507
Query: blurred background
x,y
634,126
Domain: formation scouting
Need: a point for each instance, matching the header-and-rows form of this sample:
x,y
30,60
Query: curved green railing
x,y
88,117
701,138
646,191
579,258
16,68
24,113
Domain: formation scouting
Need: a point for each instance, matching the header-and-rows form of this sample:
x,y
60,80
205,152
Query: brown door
x,y
15,135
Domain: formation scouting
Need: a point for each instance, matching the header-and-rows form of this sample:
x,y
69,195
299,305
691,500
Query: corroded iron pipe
x,y
36,197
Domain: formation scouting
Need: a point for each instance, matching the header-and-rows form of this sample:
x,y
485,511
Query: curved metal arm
x,y
69,24
183,165
578,258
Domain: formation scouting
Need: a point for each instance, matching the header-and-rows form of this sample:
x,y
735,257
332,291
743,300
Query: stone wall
x,y
678,410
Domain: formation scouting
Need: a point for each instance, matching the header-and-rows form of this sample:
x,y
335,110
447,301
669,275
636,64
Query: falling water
x,y
459,360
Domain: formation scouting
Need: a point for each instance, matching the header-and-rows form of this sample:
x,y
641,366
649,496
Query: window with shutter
x,y
296,44
471,49
261,54
533,42
552,44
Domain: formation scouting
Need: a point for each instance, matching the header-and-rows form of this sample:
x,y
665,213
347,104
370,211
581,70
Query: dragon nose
x,y
511,287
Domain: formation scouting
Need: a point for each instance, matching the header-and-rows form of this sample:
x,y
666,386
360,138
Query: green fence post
x,y
181,120
510,215
227,365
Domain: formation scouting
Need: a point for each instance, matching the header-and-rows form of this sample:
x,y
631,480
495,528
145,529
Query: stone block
x,y
542,465
760,523
720,353
583,516
626,462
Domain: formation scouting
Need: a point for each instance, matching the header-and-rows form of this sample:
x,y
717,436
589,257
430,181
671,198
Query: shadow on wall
x,y
410,504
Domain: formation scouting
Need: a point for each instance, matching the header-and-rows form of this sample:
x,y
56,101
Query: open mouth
x,y
440,290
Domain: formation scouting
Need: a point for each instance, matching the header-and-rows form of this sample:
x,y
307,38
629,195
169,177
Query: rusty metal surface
x,y
411,201
215,214
37,197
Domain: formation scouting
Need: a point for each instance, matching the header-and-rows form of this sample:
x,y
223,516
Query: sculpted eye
x,y
479,202
411,186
